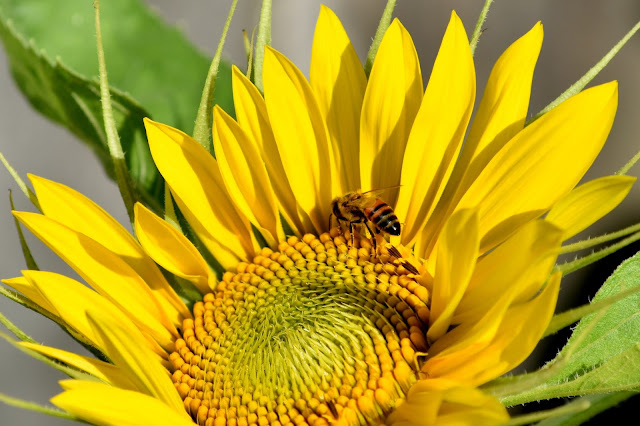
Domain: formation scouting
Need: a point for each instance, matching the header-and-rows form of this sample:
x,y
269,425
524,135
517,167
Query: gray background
x,y
577,34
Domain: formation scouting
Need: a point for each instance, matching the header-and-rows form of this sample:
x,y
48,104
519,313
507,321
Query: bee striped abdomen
x,y
383,217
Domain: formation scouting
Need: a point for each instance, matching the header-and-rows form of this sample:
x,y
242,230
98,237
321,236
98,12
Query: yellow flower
x,y
319,327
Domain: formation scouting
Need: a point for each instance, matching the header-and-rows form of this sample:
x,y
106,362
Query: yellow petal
x,y
501,114
106,273
172,250
251,112
519,333
521,264
79,213
301,135
421,405
444,402
467,405
505,102
124,349
197,186
102,370
245,176
391,102
104,405
544,161
589,202
438,130
71,299
457,254
507,227
338,82
465,355
451,353
23,285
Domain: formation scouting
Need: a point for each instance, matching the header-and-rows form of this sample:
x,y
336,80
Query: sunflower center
x,y
315,332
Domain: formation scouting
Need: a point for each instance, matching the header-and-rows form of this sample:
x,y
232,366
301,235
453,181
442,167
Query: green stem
x,y
585,244
477,31
629,165
113,140
263,39
204,118
570,408
15,330
385,21
568,267
590,75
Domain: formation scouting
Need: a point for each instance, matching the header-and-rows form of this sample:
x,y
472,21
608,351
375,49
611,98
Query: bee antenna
x,y
382,189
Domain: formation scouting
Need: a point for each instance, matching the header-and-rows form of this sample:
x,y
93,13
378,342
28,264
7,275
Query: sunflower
x,y
318,324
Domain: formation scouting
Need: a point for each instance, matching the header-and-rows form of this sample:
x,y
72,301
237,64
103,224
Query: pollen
x,y
318,332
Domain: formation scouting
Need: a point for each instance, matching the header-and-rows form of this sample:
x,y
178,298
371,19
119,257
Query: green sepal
x,y
31,196
385,21
204,116
477,30
263,39
26,251
579,263
187,292
29,304
588,76
601,239
34,406
64,368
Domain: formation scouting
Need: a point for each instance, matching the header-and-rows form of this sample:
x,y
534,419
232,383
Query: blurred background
x,y
577,34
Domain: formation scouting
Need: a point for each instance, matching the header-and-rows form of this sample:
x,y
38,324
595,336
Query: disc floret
x,y
315,332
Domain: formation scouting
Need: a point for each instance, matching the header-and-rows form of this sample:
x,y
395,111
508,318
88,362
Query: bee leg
x,y
373,238
330,220
351,233
340,220
353,222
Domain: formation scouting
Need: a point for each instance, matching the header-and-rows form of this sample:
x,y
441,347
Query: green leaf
x,y
597,404
147,58
152,64
74,102
603,353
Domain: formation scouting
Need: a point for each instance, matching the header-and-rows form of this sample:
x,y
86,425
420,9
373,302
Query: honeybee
x,y
366,208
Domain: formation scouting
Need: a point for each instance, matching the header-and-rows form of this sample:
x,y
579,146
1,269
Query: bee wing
x,y
377,192
369,197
